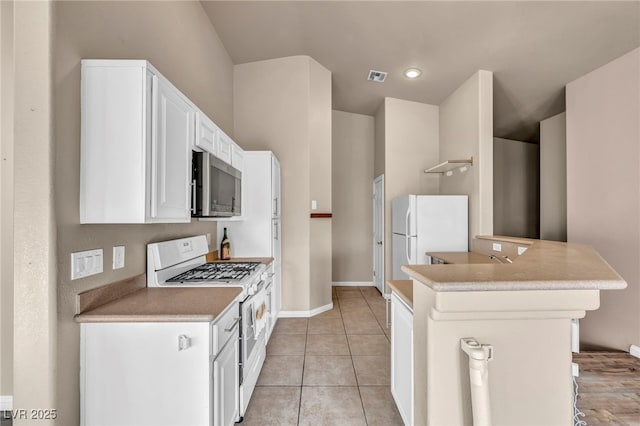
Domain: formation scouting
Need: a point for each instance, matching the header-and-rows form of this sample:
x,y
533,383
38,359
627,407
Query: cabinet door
x,y
137,373
237,157
226,384
275,188
402,358
170,163
224,147
206,133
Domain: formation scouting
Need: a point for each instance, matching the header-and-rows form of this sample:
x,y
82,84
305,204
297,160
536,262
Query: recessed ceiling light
x,y
412,73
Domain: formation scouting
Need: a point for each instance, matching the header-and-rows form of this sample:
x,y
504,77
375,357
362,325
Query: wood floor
x,y
609,388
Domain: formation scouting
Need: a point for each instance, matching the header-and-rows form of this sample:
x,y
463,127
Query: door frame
x,y
378,180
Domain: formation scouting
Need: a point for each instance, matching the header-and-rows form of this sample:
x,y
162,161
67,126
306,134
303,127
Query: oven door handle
x,y
233,325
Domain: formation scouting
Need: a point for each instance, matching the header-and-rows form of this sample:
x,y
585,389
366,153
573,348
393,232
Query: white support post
x,y
479,357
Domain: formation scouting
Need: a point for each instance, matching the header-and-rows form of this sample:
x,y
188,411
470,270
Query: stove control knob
x,y
251,290
264,276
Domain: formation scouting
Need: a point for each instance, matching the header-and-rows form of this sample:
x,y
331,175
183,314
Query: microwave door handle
x,y
206,184
193,196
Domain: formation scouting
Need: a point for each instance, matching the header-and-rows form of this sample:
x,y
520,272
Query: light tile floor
x,y
332,369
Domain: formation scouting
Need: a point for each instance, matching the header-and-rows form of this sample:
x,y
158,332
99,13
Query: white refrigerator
x,y
422,223
257,233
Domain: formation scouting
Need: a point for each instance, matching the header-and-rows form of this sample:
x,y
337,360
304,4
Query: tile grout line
x,y
304,361
374,315
364,412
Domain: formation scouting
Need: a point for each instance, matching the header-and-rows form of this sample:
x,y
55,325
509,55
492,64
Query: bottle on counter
x,y
225,247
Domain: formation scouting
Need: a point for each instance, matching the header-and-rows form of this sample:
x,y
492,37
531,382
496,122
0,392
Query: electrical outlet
x,y
521,250
118,257
497,247
86,263
575,369
209,239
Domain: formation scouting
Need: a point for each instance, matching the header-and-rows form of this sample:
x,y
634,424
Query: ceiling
x,y
534,48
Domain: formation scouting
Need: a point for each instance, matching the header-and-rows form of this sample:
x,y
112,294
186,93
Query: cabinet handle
x,y
183,342
233,325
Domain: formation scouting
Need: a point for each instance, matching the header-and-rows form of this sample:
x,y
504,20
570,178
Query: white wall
x,y
6,198
553,178
353,163
34,244
179,40
411,137
466,130
516,211
283,105
603,189
320,183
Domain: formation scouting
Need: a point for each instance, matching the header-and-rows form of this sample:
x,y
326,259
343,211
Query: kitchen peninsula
x,y
522,309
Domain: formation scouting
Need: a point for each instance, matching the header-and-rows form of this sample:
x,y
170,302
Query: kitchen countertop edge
x,y
546,265
175,304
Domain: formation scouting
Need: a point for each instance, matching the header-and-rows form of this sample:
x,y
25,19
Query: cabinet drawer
x,y
225,327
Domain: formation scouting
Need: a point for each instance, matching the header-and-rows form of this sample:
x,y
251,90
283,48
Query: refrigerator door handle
x,y
408,247
406,223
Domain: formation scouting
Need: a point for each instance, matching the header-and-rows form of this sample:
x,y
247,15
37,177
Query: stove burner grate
x,y
232,271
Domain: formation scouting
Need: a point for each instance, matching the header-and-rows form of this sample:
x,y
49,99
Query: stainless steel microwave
x,y
216,187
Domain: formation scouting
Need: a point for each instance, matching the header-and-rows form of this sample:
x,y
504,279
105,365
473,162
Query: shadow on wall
x,y
512,126
516,188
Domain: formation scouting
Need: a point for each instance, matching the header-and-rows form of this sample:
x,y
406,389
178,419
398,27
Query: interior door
x,y
378,233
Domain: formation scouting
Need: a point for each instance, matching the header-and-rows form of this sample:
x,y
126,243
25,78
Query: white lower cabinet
x,y
159,373
402,357
226,378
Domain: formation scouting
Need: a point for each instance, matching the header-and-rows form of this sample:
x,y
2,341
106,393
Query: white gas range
x,y
182,263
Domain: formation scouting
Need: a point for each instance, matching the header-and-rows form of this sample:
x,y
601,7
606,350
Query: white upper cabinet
x,y
237,157
206,133
224,147
171,156
136,136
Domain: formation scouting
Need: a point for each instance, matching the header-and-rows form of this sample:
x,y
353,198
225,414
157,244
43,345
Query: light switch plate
x,y
118,257
497,247
314,205
86,263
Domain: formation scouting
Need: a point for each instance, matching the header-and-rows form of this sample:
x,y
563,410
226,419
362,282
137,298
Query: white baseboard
x,y
634,350
352,283
305,314
6,402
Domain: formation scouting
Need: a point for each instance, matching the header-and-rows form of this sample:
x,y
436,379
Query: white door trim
x,y
379,180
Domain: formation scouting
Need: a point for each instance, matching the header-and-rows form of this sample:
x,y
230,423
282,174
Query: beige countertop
x,y
546,265
184,304
461,257
404,289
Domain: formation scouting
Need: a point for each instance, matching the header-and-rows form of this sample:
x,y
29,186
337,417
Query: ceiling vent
x,y
378,76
